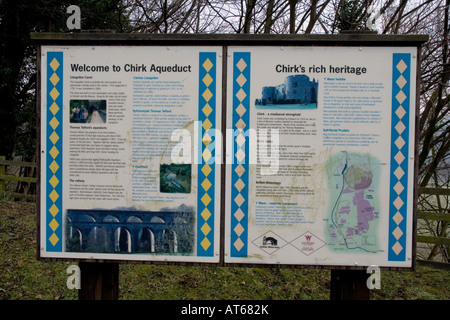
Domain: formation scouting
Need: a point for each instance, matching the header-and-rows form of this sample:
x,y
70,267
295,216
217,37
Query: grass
x,y
22,277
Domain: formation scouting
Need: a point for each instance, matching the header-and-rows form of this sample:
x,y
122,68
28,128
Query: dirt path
x,y
96,117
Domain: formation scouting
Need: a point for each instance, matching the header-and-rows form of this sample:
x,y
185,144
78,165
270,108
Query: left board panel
x,y
128,153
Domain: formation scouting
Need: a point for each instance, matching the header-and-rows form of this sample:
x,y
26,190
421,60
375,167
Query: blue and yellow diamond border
x,y
206,167
240,151
54,146
400,131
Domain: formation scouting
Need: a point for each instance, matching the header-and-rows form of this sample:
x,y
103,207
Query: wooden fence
x,y
438,216
439,240
8,177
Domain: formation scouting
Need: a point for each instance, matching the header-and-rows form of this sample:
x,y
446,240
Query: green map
x,y
353,213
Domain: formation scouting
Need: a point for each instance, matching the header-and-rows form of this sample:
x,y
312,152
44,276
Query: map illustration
x,y
353,212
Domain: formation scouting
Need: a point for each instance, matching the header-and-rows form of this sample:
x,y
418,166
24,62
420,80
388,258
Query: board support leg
x,y
99,281
349,285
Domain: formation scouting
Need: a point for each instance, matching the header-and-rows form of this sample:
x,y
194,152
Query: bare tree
x,y
164,16
327,16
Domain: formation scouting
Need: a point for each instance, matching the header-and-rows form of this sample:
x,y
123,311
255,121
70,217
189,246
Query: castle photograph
x,y
296,92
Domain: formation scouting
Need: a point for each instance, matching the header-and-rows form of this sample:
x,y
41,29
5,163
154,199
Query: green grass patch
x,y
23,277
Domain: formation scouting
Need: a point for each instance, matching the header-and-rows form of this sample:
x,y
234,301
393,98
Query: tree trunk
x,y
292,16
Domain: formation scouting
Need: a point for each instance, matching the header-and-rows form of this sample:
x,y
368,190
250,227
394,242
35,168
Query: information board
x,y
119,178
322,155
228,152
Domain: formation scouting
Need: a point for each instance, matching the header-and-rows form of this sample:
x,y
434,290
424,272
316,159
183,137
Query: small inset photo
x,y
175,178
87,111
